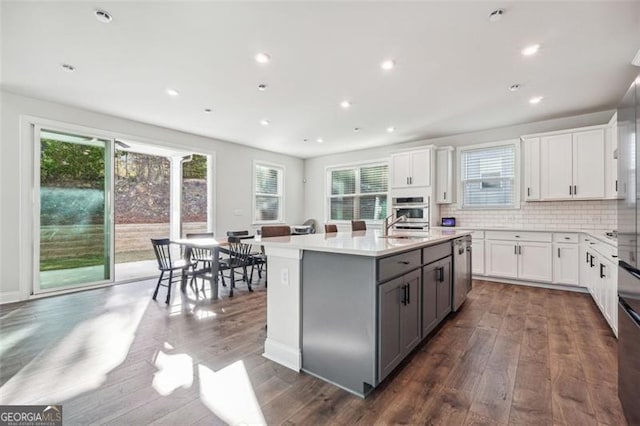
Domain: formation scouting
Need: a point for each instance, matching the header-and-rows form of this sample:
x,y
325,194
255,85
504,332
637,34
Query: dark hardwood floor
x,y
512,355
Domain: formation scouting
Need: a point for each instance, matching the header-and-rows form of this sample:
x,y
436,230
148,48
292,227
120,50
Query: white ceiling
x,y
452,74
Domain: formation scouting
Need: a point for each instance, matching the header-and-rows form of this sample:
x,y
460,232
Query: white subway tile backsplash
x,y
543,215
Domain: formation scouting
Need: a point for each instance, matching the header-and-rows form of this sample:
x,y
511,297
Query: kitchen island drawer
x,y
436,252
399,264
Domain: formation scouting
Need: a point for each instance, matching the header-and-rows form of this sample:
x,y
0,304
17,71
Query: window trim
x,y
281,211
349,166
515,204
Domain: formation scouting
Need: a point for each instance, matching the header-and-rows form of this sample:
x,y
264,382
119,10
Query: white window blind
x,y
358,192
488,177
268,193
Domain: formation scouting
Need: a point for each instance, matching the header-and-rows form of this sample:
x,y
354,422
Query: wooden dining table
x,y
215,247
211,244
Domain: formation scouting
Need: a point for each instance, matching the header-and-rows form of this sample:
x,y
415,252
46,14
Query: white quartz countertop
x,y
362,243
599,234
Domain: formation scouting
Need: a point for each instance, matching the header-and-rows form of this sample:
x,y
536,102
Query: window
x,y
358,192
488,176
268,193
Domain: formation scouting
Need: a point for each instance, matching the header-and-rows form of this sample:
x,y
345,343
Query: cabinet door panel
x,y
611,162
444,288
556,176
531,169
501,258
390,349
477,258
534,261
410,327
400,170
585,270
588,164
444,176
421,168
565,263
429,298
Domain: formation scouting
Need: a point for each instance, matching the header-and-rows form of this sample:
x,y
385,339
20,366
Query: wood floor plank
x,y
512,355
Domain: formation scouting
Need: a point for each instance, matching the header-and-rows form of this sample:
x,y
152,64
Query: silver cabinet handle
x,y
575,189
570,190
558,251
445,195
515,250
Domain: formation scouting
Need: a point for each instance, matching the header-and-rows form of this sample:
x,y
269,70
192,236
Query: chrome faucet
x,y
387,225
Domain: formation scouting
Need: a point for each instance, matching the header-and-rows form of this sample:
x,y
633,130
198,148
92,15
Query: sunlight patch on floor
x,y
80,361
229,394
13,338
174,371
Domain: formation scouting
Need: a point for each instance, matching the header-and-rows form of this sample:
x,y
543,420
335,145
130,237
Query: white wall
x,y
233,183
314,197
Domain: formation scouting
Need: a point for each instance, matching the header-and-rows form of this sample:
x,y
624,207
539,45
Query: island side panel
x,y
283,307
339,319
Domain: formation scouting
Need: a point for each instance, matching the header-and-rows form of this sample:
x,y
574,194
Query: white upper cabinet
x,y
570,166
444,175
411,169
531,148
611,159
556,176
588,164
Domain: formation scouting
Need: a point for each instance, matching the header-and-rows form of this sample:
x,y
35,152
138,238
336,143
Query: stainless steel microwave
x,y
416,209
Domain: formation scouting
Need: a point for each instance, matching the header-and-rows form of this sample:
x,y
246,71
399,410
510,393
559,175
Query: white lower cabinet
x,y
502,258
524,260
565,263
534,261
599,273
477,257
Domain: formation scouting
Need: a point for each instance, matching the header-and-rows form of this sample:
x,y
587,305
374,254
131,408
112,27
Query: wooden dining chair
x,y
358,225
185,265
330,228
238,263
201,256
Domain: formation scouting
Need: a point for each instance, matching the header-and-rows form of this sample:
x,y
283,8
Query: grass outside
x,y
95,260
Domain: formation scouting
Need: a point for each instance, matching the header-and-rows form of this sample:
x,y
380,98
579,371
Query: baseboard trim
x,y
562,287
10,297
283,354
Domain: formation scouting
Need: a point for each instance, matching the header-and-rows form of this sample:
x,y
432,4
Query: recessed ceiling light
x,y
103,16
356,129
207,110
387,65
514,87
262,87
262,58
391,129
265,122
172,92
496,15
531,50
345,104
319,140
536,100
68,67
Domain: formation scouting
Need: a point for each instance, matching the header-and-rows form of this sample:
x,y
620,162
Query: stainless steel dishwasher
x,y
461,270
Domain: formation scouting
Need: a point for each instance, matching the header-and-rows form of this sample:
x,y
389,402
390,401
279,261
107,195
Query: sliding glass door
x,y
73,177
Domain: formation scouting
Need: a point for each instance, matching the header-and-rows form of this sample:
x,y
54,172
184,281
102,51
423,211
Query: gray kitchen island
x,y
349,307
